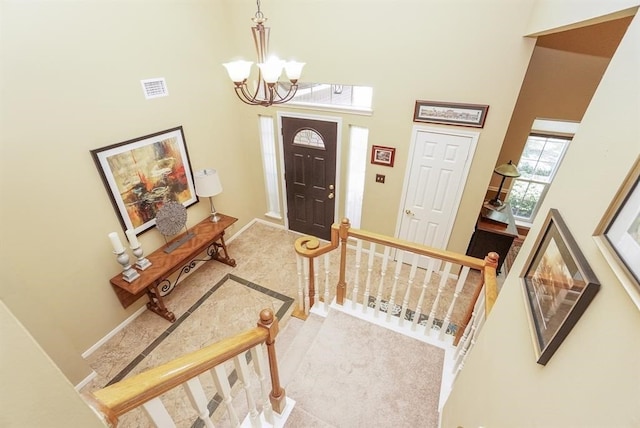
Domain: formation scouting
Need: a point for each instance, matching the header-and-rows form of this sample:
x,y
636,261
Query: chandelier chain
x,y
259,14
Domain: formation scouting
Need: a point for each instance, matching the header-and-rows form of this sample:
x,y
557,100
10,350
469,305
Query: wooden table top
x,y
163,264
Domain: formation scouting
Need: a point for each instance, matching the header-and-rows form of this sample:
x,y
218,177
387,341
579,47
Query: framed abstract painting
x,y
140,175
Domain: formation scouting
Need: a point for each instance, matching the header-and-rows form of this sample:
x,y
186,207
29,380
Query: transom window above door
x,y
331,96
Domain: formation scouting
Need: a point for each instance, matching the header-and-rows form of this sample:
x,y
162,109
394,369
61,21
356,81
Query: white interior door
x,y
437,170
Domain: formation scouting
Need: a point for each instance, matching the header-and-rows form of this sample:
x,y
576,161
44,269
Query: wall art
x,y
381,155
558,286
618,234
140,175
472,115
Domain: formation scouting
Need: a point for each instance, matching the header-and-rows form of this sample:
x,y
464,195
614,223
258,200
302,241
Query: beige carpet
x,y
356,374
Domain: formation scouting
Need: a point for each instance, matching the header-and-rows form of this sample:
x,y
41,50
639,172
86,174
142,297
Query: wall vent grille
x,y
154,88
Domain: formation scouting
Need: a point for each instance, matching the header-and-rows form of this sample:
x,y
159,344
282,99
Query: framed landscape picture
x,y
381,155
472,115
618,234
558,286
140,175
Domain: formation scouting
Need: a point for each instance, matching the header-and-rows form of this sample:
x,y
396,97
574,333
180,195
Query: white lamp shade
x,y
271,69
238,70
293,69
207,182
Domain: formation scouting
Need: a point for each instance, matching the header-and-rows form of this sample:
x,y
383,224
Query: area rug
x,y
358,374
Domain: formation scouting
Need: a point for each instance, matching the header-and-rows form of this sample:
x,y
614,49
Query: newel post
x,y
342,283
490,283
277,396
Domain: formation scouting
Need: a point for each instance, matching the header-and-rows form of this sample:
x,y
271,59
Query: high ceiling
x,y
598,40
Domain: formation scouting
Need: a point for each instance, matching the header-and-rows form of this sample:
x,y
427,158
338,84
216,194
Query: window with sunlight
x,y
358,141
269,163
539,162
356,99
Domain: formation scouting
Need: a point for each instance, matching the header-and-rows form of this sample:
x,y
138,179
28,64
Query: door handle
x,y
408,211
330,186
330,196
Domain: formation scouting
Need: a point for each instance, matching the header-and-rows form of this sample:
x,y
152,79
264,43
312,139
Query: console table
x,y
154,281
492,235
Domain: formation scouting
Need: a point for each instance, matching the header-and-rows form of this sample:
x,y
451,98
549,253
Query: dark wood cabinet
x,y
494,231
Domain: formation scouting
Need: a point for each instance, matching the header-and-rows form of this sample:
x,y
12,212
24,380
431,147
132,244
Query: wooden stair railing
x,y
309,248
142,389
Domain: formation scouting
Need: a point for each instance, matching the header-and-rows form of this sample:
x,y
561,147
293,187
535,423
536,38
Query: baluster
x,y
356,281
221,381
462,278
427,280
198,400
479,321
305,290
316,277
394,287
158,413
240,363
407,294
367,289
300,261
469,331
260,367
327,271
444,275
383,272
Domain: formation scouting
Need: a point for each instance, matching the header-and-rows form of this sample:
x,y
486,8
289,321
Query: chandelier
x,y
267,91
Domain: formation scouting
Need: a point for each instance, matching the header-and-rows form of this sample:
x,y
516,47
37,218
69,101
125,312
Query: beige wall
x,y
558,85
71,83
409,50
54,403
593,378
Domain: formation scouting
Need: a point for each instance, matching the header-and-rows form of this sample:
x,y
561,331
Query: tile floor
x,y
213,302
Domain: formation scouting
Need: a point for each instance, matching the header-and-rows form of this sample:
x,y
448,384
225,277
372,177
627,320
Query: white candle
x,y
115,242
133,239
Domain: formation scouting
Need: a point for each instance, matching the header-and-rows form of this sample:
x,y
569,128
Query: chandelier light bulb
x,y
293,69
238,70
271,69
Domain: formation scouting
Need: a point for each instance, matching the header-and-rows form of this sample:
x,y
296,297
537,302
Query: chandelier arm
x,y
245,96
288,96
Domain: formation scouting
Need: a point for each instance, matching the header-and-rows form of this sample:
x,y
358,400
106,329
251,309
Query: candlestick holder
x,y
129,274
142,262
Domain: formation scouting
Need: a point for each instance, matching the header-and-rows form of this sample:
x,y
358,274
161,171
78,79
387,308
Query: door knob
x,y
330,196
330,186
408,212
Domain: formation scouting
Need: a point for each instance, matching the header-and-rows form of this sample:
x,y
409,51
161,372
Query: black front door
x,y
310,174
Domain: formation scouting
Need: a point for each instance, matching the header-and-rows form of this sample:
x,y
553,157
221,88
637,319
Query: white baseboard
x,y
113,332
86,380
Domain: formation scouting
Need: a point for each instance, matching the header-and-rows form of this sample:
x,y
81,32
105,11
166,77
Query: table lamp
x,y
208,185
505,170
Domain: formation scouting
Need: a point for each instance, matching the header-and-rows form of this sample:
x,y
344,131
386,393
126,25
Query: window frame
x,y
547,135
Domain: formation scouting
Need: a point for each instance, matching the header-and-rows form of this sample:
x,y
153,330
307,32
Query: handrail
x,y
309,247
125,395
304,249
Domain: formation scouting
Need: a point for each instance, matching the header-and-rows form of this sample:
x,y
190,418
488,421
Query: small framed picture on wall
x,y
381,155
